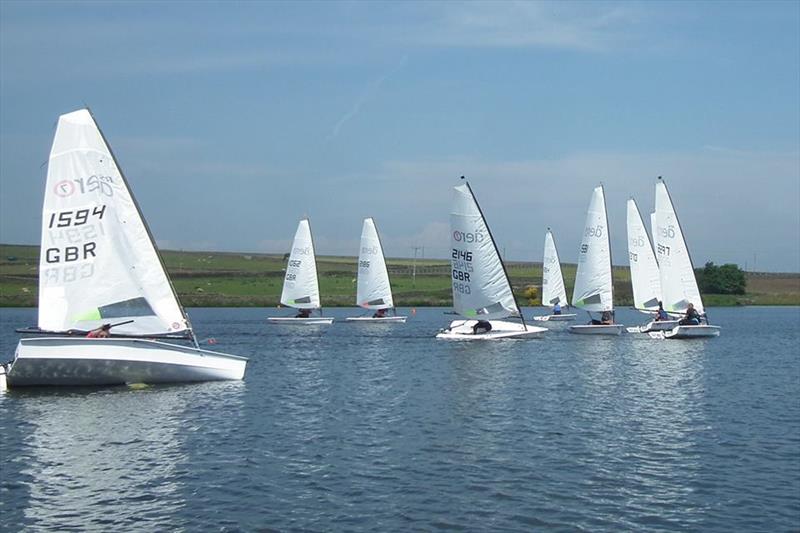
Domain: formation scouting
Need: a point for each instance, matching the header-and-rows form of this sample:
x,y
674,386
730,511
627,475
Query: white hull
x,y
462,330
85,362
661,325
384,319
601,329
692,332
311,321
555,318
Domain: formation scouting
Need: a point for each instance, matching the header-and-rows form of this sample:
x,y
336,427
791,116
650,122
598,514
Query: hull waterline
x,y
602,329
556,318
372,320
462,330
320,321
65,361
692,332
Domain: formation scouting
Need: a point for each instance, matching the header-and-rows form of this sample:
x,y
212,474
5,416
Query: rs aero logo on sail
x,y
302,251
468,237
370,250
596,231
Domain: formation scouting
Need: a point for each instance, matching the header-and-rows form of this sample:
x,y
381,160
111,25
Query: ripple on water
x,y
393,430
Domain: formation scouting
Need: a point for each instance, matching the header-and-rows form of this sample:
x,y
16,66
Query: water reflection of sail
x,y
649,406
102,460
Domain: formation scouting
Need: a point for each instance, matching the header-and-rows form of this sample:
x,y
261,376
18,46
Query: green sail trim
x,y
93,314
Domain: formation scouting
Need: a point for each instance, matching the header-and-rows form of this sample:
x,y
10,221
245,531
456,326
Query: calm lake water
x,y
379,427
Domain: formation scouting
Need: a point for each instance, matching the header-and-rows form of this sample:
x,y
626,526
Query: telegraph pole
x,y
414,265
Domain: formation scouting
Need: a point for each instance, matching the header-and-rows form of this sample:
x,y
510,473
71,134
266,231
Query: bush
x,y
723,279
532,294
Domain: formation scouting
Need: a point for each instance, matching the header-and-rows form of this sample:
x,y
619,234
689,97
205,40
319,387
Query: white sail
x,y
594,290
374,290
645,277
553,291
480,286
678,283
98,261
300,286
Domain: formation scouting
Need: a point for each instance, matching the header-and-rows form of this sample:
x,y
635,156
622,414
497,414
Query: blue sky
x,y
233,120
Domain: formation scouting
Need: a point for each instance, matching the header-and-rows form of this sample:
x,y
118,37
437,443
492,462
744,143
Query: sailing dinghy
x,y
373,288
481,290
645,275
301,285
594,288
553,290
678,283
99,265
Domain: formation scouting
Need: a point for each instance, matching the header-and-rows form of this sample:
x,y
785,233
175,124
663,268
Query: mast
x,y
683,237
494,244
608,240
380,243
314,251
558,260
146,227
649,242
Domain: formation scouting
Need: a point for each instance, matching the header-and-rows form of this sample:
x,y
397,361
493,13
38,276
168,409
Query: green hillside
x,y
241,280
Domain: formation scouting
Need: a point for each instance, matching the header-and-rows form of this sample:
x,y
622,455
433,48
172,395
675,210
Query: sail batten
x,y
301,285
678,283
594,290
96,249
481,289
373,288
645,275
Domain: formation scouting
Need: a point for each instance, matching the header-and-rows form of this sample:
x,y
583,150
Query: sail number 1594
x,y
79,217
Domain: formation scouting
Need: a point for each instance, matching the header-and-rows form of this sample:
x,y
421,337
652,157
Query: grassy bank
x,y
246,280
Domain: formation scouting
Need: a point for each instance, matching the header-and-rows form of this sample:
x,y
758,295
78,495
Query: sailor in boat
x,y
303,313
557,309
606,319
692,317
103,332
661,314
481,326
380,313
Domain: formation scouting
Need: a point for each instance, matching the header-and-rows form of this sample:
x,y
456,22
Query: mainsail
x,y
480,285
594,289
678,283
374,290
553,291
645,277
300,286
98,262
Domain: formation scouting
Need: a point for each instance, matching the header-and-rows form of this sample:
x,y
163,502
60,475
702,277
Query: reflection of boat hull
x,y
555,318
600,329
82,361
311,321
661,325
370,319
462,330
692,332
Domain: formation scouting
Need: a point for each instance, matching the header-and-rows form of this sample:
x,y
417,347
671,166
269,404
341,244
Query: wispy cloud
x,y
586,26
369,92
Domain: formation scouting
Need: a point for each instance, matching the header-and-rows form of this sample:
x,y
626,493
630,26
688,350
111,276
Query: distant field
x,y
242,280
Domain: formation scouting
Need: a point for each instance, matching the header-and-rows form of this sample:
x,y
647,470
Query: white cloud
x,y
718,194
